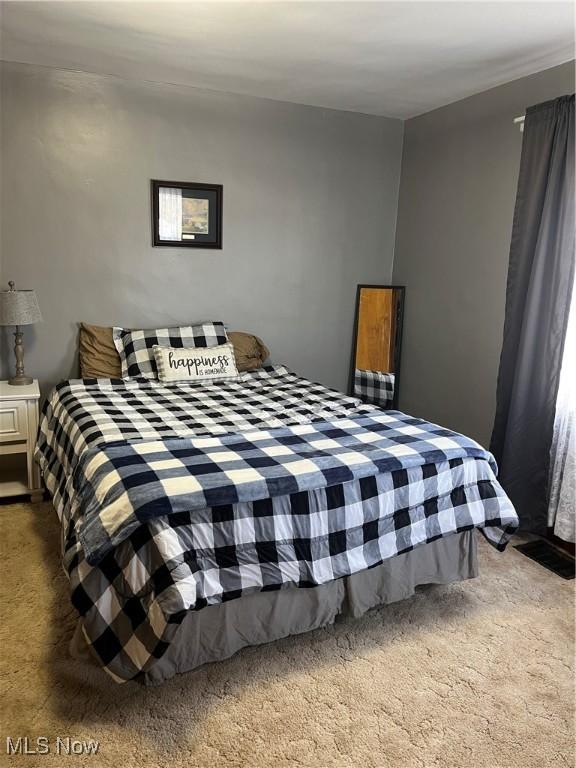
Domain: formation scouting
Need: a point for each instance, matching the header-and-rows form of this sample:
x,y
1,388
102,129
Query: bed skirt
x,y
219,631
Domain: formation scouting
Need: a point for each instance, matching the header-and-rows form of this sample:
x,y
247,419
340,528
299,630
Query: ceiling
x,y
397,59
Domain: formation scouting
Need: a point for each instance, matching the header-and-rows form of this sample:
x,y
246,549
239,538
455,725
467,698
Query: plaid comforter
x,y
296,485
374,387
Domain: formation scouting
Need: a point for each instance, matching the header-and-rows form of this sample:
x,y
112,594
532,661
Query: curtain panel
x,y
538,294
562,508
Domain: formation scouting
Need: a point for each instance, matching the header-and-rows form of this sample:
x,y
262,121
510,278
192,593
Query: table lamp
x,y
19,308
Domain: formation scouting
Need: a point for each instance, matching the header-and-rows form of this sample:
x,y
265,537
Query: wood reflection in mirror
x,y
375,347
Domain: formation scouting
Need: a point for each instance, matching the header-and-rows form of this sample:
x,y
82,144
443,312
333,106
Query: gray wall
x,y
459,172
310,201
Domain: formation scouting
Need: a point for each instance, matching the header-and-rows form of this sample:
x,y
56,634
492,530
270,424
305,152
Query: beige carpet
x,y
476,674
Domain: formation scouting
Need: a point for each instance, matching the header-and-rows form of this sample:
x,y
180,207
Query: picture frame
x,y
186,214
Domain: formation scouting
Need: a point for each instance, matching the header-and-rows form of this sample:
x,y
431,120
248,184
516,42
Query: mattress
x,y
159,472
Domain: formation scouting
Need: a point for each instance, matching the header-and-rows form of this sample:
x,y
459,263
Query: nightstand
x,y
19,473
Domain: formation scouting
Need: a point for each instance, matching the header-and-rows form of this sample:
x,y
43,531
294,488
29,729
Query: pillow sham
x,y
249,350
136,347
204,366
97,354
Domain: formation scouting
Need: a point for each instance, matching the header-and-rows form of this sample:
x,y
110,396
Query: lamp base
x,y
20,381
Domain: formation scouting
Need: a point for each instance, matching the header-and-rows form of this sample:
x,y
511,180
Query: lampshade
x,y
19,307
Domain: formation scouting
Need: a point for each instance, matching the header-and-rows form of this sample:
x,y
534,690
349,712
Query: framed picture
x,y
186,214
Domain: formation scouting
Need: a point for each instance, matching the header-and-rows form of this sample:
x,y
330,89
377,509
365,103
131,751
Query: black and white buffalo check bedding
x,y
175,497
374,387
136,348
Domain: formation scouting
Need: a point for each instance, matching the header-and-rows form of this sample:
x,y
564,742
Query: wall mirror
x,y
375,365
186,214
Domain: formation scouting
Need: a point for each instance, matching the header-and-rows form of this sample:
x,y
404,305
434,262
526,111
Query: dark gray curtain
x,y
538,293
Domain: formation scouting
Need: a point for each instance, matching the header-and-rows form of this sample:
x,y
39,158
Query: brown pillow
x,y
99,358
249,351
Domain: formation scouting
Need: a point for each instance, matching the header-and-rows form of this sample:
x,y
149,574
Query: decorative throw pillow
x,y
136,347
196,365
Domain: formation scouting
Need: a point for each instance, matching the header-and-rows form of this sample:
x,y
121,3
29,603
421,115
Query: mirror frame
x,y
397,338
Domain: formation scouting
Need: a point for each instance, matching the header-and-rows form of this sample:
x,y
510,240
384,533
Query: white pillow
x,y
196,365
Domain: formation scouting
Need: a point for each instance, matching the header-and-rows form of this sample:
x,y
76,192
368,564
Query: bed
x,y
198,519
374,387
